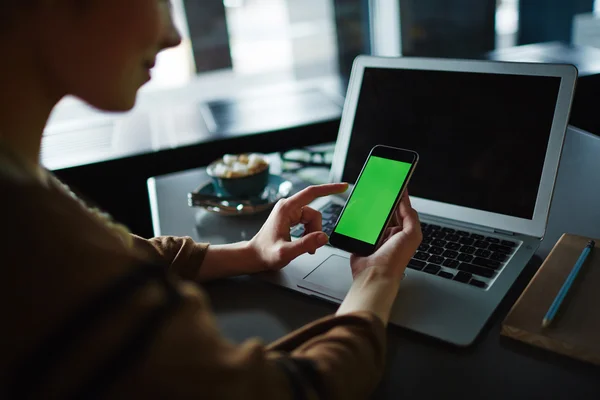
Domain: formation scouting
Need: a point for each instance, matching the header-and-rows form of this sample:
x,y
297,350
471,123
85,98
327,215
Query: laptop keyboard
x,y
462,256
459,255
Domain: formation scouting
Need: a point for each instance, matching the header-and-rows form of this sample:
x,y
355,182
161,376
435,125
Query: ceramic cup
x,y
245,186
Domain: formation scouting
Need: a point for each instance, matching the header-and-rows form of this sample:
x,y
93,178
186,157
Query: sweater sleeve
x,y
68,259
182,255
333,358
347,353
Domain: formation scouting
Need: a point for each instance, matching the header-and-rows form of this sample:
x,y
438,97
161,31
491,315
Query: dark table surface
x,y
494,367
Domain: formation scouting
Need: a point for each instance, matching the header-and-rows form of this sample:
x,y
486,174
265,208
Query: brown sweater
x,y
57,257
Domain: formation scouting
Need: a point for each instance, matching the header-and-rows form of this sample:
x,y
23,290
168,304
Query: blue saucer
x,y
211,198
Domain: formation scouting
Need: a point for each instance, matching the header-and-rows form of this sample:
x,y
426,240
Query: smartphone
x,y
375,196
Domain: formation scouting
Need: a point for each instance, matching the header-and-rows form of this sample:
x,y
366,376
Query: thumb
x,y
307,244
395,240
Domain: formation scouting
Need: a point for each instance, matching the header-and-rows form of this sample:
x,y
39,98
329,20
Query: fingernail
x,y
322,239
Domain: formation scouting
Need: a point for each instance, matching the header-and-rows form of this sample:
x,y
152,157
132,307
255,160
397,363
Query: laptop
x,y
489,135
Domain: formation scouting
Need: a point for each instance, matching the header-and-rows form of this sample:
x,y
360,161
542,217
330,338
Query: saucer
x,y
212,198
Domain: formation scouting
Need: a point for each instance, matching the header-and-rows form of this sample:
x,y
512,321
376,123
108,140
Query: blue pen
x,y
562,293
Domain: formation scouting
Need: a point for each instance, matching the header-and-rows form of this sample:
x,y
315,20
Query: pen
x,y
562,293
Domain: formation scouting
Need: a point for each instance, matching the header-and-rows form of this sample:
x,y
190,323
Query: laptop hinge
x,y
451,222
468,225
501,232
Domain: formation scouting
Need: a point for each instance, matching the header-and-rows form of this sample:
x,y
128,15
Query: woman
x,y
88,308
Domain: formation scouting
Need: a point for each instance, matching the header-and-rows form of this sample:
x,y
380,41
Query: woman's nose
x,y
172,37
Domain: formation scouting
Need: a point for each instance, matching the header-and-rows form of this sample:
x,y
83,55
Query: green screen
x,y
372,199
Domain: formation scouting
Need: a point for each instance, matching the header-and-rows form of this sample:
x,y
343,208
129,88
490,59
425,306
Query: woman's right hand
x,y
401,240
377,277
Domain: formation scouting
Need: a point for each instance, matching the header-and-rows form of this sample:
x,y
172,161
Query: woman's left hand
x,y
273,245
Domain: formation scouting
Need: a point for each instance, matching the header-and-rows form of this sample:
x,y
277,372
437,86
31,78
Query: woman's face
x,y
102,50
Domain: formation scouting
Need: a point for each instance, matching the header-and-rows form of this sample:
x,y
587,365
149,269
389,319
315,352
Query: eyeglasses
x,y
295,160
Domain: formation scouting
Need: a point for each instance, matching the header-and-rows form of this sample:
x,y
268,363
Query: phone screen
x,y
374,195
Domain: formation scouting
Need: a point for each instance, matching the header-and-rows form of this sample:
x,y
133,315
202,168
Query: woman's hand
x,y
401,240
273,245
377,277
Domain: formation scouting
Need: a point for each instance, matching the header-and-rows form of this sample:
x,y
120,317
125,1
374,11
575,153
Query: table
x,y
418,367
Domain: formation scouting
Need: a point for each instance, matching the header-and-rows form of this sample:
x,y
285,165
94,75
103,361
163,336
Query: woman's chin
x,y
115,104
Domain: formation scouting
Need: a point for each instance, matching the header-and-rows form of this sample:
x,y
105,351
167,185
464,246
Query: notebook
x,y
575,330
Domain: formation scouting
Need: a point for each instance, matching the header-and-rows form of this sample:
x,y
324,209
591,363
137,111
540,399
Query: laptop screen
x,y
481,137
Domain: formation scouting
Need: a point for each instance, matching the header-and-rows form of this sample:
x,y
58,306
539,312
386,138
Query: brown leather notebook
x,y
575,331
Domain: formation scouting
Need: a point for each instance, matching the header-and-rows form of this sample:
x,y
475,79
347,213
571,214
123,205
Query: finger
x,y
311,193
312,220
396,217
409,217
407,197
307,244
396,220
396,241
391,232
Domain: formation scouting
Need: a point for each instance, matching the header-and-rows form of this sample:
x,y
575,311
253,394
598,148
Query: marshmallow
x,y
238,167
254,160
221,170
229,159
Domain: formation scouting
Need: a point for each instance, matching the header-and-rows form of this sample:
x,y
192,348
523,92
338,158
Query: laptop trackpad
x,y
333,278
